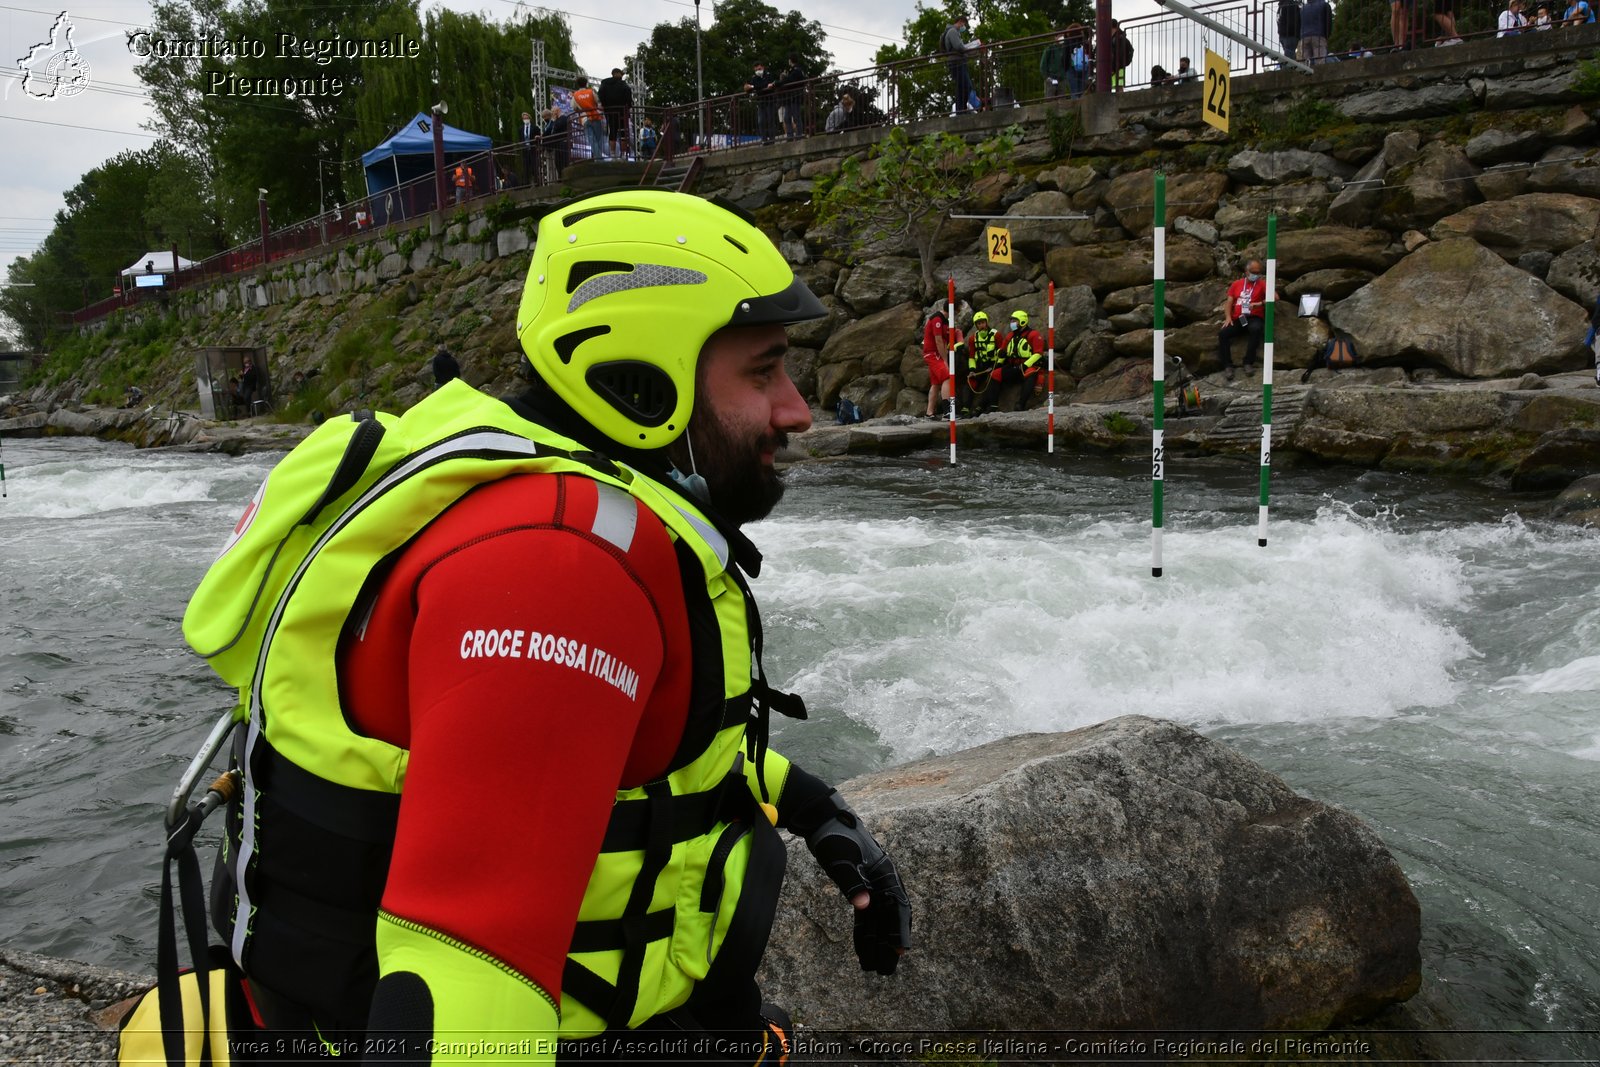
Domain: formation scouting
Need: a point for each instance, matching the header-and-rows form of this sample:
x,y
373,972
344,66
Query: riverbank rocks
x,y
1131,197
1456,305
1124,264
1579,503
1542,222
1131,875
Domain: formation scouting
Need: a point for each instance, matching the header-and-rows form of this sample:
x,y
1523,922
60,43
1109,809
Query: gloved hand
x,y
865,874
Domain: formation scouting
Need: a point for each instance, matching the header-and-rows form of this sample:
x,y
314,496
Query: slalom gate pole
x,y
950,361
1266,379
1050,379
1158,376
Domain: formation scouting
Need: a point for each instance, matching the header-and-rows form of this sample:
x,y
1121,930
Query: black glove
x,y
852,857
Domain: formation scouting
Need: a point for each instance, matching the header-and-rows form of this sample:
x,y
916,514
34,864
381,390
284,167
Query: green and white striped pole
x,y
1158,458
1266,379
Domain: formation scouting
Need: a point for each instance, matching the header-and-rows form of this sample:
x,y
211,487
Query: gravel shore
x,y
61,1011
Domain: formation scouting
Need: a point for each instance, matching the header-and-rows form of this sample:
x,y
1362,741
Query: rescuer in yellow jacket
x,y
504,717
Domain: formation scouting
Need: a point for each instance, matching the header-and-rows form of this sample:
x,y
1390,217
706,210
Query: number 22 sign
x,y
1215,104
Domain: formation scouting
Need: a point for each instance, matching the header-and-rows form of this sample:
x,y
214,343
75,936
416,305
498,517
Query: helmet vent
x,y
582,272
578,216
643,393
736,244
568,343
641,276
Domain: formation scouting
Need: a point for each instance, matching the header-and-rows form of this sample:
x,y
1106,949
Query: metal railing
x,y
1003,74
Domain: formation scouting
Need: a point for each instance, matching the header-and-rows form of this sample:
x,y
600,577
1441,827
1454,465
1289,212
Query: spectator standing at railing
x,y
1053,65
1289,27
592,118
1121,56
1444,13
1401,16
1080,60
1542,19
955,45
616,97
529,132
647,138
557,139
1316,26
1511,19
1185,72
789,98
1580,13
764,87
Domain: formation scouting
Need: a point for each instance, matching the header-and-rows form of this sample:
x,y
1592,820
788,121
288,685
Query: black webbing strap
x,y
635,928
169,996
764,699
603,935
688,816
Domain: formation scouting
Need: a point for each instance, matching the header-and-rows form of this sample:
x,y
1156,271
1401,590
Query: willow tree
x,y
907,190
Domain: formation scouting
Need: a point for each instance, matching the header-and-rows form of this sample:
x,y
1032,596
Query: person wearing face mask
x,y
764,86
1021,350
1246,309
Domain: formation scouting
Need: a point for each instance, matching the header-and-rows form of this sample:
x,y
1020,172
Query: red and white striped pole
x,y
1050,379
950,362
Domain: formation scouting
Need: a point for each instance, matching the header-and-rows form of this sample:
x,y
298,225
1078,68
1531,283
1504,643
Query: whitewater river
x,y
1422,654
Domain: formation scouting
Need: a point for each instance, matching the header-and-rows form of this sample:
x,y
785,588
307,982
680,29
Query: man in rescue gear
x,y
981,353
1021,350
505,772
464,179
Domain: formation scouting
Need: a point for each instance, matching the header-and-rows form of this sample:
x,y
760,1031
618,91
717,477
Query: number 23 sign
x,y
1216,102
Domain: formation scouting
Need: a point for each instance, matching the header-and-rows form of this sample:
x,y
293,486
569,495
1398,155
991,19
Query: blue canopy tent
x,y
409,155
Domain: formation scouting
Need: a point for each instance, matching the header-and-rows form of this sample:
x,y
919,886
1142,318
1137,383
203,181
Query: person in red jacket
x,y
1022,350
1246,310
936,342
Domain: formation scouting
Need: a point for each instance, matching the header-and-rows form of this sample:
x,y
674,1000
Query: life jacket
x,y
685,885
586,100
1025,347
983,350
464,177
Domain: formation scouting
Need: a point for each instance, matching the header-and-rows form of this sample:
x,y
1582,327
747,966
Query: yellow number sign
x,y
1214,106
998,240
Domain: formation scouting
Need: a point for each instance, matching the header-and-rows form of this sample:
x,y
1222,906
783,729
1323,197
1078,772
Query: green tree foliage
x,y
907,189
743,32
479,67
923,90
305,146
112,215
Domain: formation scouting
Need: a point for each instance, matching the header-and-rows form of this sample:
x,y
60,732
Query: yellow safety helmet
x,y
982,316
1021,317
623,292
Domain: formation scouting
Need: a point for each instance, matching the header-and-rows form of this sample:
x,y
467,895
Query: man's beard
x,y
743,488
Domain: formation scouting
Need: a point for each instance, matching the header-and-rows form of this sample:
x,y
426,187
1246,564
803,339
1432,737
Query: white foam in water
x,y
75,490
944,635
1578,676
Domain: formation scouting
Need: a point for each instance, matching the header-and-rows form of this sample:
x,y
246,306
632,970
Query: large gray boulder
x,y
1575,273
1034,236
1131,875
1439,182
1301,251
1565,170
876,283
1297,204
1579,503
1123,264
1131,197
1533,222
1363,195
1251,167
1456,305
